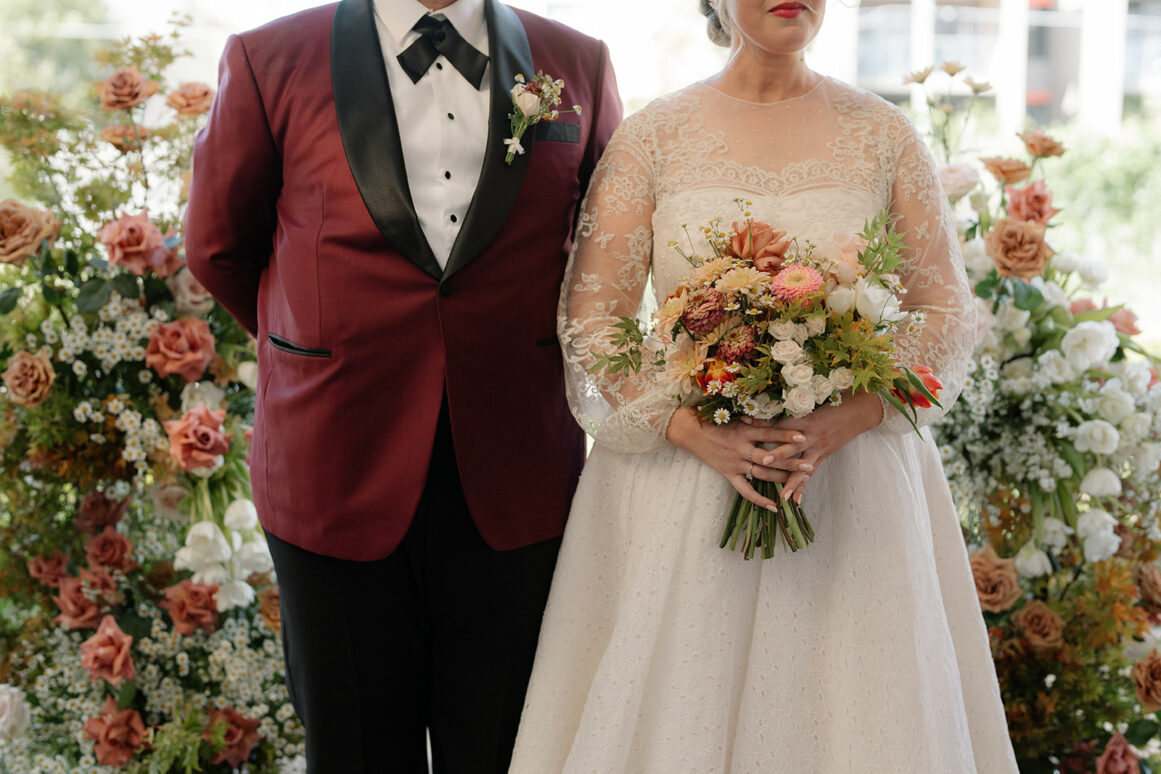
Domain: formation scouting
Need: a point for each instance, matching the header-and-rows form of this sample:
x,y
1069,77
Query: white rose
x,y
816,325
876,303
528,104
253,557
1137,427
842,378
1101,546
1135,377
800,400
14,713
975,257
191,298
1101,482
822,387
1148,457
1090,344
210,574
1094,521
205,394
1009,318
783,330
1097,436
248,374
1114,404
958,180
208,541
165,501
1092,271
1055,366
233,594
786,351
797,374
1021,337
841,299
1066,261
241,515
1054,534
1053,294
1031,562
765,407
1020,368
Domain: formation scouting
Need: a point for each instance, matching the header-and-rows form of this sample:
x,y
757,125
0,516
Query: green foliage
x,y
626,341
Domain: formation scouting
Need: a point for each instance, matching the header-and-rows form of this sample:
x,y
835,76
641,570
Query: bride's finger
x,y
771,473
772,435
743,487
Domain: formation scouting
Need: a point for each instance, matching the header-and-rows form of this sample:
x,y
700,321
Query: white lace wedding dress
x,y
662,653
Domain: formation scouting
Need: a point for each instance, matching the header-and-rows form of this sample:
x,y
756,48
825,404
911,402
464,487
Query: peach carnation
x,y
1125,321
184,347
196,440
795,283
106,654
118,734
136,243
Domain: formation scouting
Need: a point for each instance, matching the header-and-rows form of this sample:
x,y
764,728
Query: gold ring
x,y
750,455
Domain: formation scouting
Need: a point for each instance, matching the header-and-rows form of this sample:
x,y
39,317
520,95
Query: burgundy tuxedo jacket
x,y
301,224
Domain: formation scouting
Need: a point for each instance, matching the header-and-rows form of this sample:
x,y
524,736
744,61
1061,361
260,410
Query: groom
x,y
413,454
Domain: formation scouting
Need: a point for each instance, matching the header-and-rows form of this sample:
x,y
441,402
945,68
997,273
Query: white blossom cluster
x,y
227,556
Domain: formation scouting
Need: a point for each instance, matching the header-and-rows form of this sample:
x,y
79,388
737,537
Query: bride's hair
x,y
717,23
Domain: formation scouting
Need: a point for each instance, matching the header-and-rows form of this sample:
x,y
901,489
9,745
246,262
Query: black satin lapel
x,y
370,132
499,182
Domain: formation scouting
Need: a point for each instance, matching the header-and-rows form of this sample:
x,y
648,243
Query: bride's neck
x,y
758,76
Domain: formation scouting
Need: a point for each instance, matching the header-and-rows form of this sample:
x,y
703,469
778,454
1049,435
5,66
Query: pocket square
x,y
556,131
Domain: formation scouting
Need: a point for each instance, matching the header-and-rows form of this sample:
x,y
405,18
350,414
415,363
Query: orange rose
x,y
760,244
1040,144
49,570
1007,170
1147,679
136,243
191,99
196,440
1043,628
270,608
110,549
22,230
126,88
29,378
191,605
98,511
184,347
1018,249
124,137
997,584
241,735
1125,321
77,610
118,734
1118,757
1032,202
106,654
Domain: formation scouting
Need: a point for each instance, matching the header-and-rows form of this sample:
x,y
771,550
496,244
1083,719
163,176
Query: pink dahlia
x,y
796,282
737,344
704,311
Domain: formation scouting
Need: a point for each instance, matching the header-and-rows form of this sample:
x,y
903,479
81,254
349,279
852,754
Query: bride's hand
x,y
828,429
733,450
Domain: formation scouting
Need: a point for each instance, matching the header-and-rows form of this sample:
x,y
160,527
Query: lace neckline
x,y
706,85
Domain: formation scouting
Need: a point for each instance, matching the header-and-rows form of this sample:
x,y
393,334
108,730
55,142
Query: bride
x,y
662,653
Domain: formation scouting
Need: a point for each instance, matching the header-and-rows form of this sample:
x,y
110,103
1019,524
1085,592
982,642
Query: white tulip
x,y
1101,482
253,557
1101,546
1031,562
211,574
241,515
233,594
841,299
14,712
1094,522
208,541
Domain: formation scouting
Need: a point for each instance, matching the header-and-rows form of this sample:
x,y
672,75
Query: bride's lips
x,y
788,10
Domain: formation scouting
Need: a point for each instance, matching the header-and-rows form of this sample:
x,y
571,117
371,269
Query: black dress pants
x,y
438,637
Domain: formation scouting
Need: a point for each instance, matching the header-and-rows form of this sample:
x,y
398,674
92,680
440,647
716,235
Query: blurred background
x,y
1088,71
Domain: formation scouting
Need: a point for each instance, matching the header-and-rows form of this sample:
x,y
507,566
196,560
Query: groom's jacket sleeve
x,y
607,113
233,195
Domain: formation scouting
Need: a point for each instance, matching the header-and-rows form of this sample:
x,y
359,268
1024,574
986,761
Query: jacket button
x,y
445,289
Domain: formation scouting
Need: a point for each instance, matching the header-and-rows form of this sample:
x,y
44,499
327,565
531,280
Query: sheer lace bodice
x,y
817,166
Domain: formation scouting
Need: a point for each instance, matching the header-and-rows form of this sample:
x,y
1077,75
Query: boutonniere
x,y
533,102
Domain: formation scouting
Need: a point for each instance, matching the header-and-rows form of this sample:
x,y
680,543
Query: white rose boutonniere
x,y
532,102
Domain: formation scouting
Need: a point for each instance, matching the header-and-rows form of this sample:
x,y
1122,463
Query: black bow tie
x,y
438,36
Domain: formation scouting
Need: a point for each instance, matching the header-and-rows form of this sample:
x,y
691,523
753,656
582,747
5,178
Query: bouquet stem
x,y
758,528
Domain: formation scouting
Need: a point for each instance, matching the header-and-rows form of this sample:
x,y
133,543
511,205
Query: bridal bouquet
x,y
766,328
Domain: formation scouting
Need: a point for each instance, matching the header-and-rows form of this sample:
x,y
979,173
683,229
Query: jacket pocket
x,y
556,131
285,345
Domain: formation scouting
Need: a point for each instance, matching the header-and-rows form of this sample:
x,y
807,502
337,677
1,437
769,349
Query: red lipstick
x,y
788,10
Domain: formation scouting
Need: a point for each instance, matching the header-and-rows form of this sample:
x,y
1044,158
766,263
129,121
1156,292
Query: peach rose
x,y
1018,249
1040,144
29,378
1147,679
1125,321
997,583
760,244
184,347
958,180
1118,757
1043,628
191,605
97,511
125,137
1007,170
106,654
126,88
270,608
241,735
118,734
77,609
1032,202
136,243
1148,578
49,570
22,230
196,440
110,549
1081,305
192,299
191,99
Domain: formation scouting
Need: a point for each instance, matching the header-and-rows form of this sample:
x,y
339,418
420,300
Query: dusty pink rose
x,y
958,180
196,440
98,511
29,378
106,654
191,605
241,735
1081,305
997,583
77,609
190,99
1042,627
22,230
118,734
136,243
126,88
184,347
1039,144
1007,170
125,137
110,549
760,244
1118,757
1018,249
1032,202
49,570
1125,321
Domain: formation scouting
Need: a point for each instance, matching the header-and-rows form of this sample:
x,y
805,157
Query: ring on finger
x,y
750,455
750,473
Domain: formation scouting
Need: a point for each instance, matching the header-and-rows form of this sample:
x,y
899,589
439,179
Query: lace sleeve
x,y
606,279
934,279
